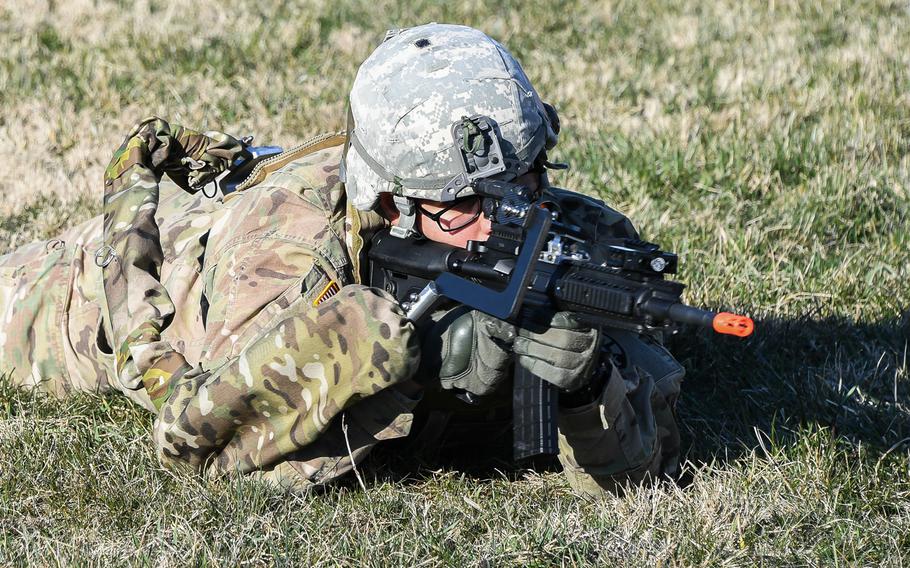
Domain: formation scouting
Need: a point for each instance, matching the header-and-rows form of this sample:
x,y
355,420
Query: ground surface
x,y
767,143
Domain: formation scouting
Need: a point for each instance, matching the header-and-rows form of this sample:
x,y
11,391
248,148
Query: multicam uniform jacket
x,y
242,323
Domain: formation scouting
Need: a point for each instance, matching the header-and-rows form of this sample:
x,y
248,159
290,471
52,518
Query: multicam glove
x,y
559,349
216,153
189,157
468,350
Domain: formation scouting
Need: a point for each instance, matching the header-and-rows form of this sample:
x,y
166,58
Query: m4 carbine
x,y
534,261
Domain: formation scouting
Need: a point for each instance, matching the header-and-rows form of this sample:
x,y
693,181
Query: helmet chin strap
x,y
407,219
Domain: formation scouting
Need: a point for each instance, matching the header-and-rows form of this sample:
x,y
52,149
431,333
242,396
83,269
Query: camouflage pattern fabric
x,y
271,376
273,385
50,314
282,392
138,305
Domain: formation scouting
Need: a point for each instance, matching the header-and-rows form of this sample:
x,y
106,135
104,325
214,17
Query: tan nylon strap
x,y
270,165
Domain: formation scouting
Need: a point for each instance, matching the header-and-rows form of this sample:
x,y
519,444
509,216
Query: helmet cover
x,y
407,98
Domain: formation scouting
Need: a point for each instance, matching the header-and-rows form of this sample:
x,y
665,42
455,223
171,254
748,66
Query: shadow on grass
x,y
851,378
792,374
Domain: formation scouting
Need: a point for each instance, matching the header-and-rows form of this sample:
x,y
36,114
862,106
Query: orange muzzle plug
x,y
733,324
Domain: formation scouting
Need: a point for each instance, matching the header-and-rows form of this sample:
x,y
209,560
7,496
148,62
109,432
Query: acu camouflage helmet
x,y
409,97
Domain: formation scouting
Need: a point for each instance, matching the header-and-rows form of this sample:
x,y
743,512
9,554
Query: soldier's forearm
x,y
282,392
139,307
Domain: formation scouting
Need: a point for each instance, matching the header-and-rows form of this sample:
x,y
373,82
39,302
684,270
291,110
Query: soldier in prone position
x,y
245,323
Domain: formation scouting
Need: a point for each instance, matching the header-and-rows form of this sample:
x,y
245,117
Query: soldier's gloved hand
x,y
468,350
211,154
191,158
557,348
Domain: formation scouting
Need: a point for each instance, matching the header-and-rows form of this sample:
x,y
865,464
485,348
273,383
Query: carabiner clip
x,y
104,256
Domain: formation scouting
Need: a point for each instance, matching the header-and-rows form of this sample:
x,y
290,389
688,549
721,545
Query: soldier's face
x,y
460,222
453,224
463,221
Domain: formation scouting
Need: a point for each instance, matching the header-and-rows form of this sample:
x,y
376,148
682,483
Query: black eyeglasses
x,y
437,217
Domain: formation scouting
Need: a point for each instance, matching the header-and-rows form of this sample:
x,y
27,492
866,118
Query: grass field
x,y
767,142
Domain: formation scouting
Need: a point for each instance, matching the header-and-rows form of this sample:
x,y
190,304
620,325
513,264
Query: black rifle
x,y
533,261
